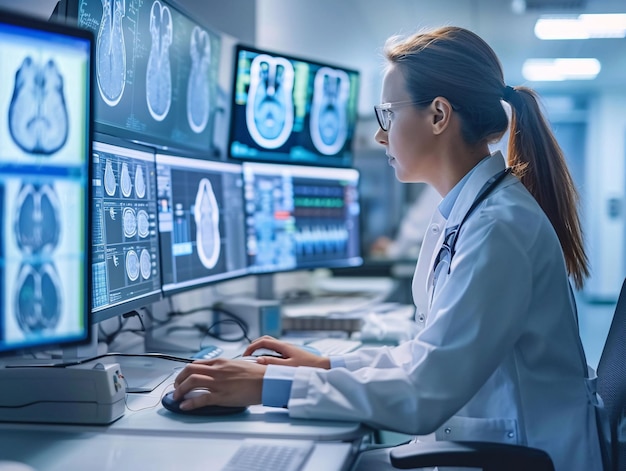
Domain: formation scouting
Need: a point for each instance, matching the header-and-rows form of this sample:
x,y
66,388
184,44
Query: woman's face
x,y
409,140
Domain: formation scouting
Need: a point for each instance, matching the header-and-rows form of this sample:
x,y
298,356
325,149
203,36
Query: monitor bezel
x,y
85,336
130,305
320,160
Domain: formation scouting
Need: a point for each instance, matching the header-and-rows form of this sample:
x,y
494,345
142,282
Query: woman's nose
x,y
380,136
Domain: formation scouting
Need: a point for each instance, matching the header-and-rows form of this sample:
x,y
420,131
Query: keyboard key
x,y
208,353
256,454
334,346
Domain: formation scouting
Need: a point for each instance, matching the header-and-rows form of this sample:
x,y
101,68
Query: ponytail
x,y
539,163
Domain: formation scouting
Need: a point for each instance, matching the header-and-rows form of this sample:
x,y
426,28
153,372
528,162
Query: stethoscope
x,y
444,257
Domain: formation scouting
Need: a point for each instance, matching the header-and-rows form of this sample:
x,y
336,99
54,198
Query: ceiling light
x,y
586,26
540,70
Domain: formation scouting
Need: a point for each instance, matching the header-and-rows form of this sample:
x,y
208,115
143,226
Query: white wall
x,y
605,180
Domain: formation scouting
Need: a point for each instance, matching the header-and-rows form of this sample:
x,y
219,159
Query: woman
x,y
498,357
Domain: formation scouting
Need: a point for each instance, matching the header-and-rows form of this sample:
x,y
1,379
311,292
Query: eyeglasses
x,y
383,111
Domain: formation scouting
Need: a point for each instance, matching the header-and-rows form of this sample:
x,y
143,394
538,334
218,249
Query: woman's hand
x,y
292,355
230,383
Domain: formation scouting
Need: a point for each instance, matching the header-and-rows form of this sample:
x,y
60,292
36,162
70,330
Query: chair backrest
x,y
612,379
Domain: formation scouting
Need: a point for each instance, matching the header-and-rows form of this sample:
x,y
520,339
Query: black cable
x,y
161,356
135,314
108,337
242,326
207,329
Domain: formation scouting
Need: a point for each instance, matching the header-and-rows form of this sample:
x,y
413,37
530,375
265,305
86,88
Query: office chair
x,y
495,456
485,455
612,382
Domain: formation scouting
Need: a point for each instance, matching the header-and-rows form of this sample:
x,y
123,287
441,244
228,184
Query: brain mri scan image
x,y
198,99
207,216
38,298
111,52
140,182
129,221
158,73
110,184
126,184
37,227
269,111
145,264
38,119
37,224
329,118
143,224
132,265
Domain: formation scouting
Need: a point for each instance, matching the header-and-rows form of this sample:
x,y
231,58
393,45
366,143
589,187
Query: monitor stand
x,y
158,340
265,286
80,352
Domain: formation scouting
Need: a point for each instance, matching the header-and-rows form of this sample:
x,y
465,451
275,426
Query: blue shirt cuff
x,y
337,362
277,383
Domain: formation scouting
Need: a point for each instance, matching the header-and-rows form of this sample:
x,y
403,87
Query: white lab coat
x,y
414,225
497,357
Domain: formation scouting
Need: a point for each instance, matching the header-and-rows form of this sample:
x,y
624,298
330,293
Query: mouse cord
x,y
166,389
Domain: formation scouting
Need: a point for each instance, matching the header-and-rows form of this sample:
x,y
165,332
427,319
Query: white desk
x,y
80,451
150,437
146,416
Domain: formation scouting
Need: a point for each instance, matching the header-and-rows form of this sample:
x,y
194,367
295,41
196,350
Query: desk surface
x,y
145,415
77,451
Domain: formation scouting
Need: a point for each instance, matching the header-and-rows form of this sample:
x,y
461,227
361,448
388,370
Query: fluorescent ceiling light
x,y
550,70
587,26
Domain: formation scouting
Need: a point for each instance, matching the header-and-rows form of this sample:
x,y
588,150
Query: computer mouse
x,y
174,406
266,352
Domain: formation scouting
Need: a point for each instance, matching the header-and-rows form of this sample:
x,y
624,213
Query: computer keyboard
x,y
265,454
334,346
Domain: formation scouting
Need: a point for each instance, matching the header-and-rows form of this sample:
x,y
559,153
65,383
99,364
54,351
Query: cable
x,y
235,318
207,330
105,355
109,337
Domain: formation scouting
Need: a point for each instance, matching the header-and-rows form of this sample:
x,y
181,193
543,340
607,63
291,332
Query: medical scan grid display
x,y
156,72
45,136
300,217
292,110
126,269
201,221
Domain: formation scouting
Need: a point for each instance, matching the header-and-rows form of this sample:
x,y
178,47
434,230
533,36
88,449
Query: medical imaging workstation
x,y
145,158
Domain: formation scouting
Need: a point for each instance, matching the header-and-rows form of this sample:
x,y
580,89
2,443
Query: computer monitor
x,y
126,270
156,72
45,142
292,110
201,221
300,217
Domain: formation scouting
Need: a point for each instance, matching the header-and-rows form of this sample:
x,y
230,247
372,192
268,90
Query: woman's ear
x,y
442,113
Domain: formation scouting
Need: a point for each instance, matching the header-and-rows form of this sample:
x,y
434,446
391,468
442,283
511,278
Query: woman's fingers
x,y
266,342
230,382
